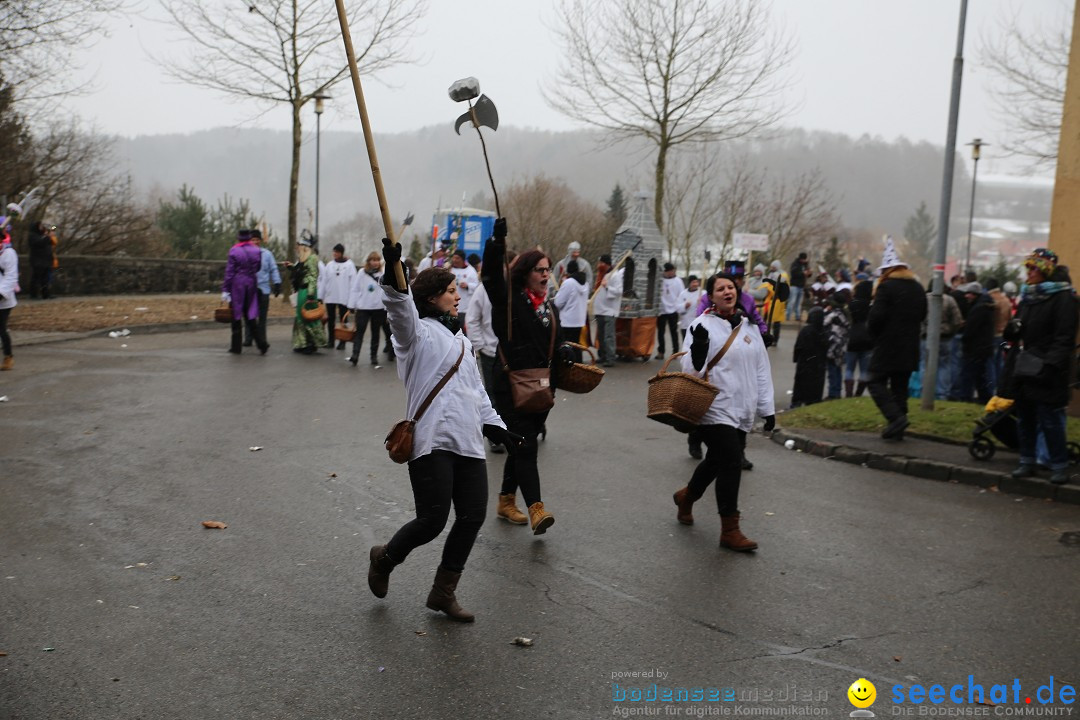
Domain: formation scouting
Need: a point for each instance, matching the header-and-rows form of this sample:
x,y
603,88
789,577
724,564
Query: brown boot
x,y
860,388
508,510
9,363
849,388
685,502
378,574
731,537
442,598
541,518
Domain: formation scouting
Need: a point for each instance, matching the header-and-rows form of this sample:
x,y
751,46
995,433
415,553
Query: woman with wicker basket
x,y
734,360
308,333
526,326
572,302
447,463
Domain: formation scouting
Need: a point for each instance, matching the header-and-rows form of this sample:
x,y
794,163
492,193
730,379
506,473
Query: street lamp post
x,y
976,145
318,152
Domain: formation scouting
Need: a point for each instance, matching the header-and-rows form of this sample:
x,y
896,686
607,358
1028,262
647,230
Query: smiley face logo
x,y
862,693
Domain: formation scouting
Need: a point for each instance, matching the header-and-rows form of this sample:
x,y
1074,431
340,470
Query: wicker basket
x,y
679,399
313,310
579,377
223,314
345,332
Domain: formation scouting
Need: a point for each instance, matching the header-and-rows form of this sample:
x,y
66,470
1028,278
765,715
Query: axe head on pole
x,y
482,114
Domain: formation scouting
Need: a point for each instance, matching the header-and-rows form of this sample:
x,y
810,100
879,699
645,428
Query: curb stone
x,y
933,470
152,329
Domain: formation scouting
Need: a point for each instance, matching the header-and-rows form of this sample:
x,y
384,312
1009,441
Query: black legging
x,y
723,463
5,339
376,318
439,479
520,470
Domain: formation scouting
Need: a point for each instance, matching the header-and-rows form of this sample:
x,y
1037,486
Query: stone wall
x,y
110,275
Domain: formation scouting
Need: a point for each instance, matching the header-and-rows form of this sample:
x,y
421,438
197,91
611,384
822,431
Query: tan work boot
x,y
508,510
541,518
9,363
442,596
731,537
685,503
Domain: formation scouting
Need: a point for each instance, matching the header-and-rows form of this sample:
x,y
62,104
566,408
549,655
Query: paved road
x,y
116,603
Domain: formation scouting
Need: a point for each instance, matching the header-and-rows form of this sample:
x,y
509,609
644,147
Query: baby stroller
x,y
1000,421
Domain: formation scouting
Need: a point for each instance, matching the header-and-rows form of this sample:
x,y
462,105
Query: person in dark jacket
x,y
860,345
977,345
41,261
800,270
894,324
811,347
526,340
1039,367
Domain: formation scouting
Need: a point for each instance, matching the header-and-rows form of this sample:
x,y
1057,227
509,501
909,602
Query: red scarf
x,y
536,300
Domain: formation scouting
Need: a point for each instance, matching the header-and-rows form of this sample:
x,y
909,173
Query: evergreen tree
x,y
616,207
834,257
921,231
184,222
1000,272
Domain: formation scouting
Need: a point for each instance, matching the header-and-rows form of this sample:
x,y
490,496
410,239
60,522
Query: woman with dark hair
x,y
731,355
447,465
1039,367
526,337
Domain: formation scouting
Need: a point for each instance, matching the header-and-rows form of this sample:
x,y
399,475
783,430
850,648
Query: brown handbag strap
x,y
435,390
719,355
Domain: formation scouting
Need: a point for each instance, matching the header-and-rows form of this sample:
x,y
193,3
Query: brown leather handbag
x,y
399,441
530,389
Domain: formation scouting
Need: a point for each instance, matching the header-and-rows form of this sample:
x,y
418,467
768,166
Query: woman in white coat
x,y
743,375
366,303
9,286
572,302
448,464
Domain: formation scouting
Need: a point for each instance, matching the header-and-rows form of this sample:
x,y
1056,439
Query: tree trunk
x,y
658,201
294,178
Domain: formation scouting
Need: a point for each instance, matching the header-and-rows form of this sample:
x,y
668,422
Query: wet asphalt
x,y
115,601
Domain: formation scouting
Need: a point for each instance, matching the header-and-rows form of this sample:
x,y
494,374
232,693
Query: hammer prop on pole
x,y
482,113
376,175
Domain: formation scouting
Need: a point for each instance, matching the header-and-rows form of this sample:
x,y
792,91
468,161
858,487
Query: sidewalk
x,y
927,458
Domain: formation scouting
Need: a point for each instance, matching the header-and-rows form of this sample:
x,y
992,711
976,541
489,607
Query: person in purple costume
x,y
240,290
737,269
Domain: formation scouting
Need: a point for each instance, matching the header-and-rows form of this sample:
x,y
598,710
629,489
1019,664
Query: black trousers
x,y
671,323
890,392
333,311
573,335
39,282
264,308
253,329
376,318
5,339
520,470
722,463
439,480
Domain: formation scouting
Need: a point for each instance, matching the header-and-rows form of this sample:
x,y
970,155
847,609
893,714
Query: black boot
x,y
378,574
442,597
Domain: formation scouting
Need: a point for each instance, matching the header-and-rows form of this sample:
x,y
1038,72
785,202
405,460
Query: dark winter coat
x,y
798,272
978,341
810,355
1045,326
859,339
40,250
528,345
895,322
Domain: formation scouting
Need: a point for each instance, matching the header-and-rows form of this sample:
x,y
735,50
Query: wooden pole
x,y
376,175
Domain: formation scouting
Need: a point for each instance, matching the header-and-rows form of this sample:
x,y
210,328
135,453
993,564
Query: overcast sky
x,y
861,67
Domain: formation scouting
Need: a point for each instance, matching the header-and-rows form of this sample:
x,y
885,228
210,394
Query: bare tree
x,y
546,213
38,38
800,214
672,72
286,51
691,208
740,206
1031,65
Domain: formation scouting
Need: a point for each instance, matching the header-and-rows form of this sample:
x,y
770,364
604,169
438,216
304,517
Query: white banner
x,y
750,241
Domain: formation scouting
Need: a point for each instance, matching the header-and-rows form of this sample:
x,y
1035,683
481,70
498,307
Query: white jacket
x,y
572,300
743,374
366,292
9,277
688,301
337,282
670,290
425,351
609,298
467,282
478,323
